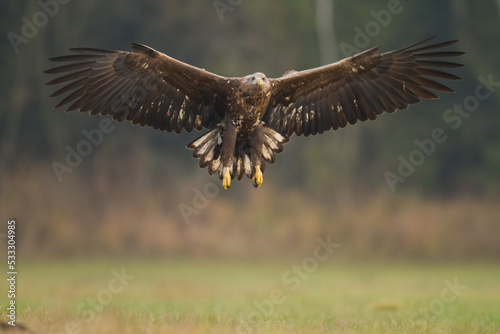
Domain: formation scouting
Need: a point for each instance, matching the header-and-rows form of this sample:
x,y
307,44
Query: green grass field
x,y
220,297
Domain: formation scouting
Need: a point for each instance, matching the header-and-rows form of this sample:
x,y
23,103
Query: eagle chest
x,y
247,110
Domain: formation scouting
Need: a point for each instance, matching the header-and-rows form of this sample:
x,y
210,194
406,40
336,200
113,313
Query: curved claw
x,y
226,178
257,179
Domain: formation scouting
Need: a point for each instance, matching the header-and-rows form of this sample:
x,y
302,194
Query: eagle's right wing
x,y
144,86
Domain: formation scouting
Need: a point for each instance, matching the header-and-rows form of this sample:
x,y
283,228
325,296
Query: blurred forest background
x,y
137,193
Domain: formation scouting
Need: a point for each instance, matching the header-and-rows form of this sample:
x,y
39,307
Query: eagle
x,y
250,118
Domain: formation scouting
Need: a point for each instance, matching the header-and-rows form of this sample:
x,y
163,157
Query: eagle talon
x,y
226,179
257,179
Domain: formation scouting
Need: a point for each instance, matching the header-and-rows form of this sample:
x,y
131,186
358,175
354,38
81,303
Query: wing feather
x,y
143,86
360,87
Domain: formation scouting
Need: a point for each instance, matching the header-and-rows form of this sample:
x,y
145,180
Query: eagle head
x,y
258,81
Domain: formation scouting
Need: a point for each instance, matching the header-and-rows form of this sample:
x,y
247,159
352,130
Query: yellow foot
x,y
226,178
257,179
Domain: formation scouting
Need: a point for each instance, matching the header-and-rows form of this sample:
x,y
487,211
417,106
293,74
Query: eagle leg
x,y
227,152
257,178
226,177
257,142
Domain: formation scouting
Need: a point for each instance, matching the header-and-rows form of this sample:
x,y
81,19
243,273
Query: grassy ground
x,y
196,297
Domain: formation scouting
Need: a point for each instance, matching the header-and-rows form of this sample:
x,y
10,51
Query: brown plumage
x,y
249,118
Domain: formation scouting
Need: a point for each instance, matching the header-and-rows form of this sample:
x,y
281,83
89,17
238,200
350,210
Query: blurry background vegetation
x,y
124,198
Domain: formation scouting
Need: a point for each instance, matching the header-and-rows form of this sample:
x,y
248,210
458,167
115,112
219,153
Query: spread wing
x,y
360,87
143,86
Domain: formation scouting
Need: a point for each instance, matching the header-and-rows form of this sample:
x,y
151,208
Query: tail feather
x,y
268,154
214,166
273,143
207,148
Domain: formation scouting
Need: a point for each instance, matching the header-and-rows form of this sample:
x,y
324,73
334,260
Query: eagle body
x,y
250,118
241,140
251,99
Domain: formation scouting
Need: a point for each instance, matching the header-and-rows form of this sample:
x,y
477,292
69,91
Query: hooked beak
x,y
260,83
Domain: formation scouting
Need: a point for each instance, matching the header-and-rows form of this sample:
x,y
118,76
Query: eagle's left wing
x,y
360,87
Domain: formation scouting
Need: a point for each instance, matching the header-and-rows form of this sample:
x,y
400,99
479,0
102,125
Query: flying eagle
x,y
248,118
